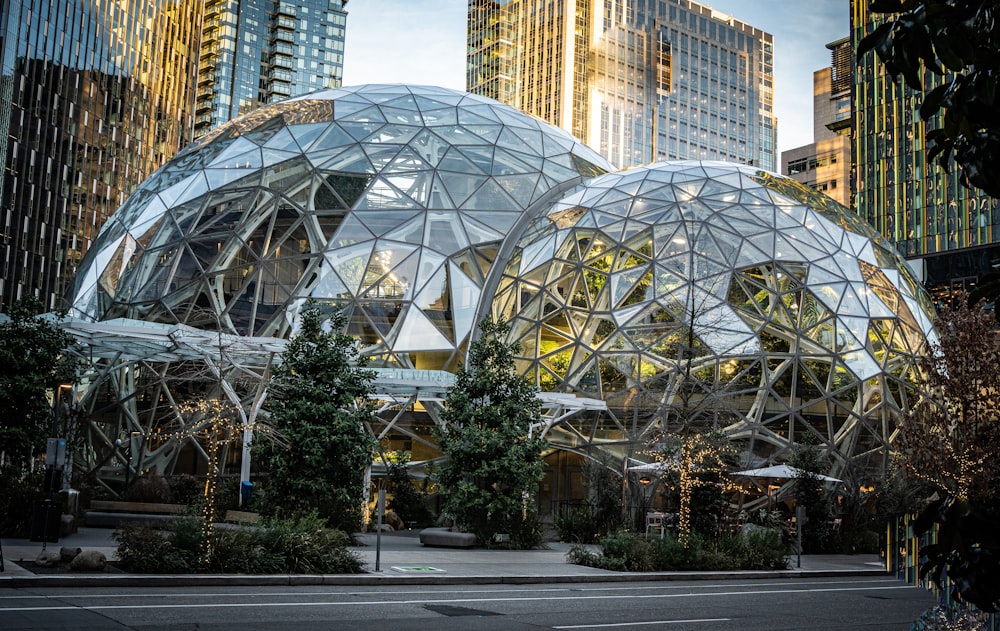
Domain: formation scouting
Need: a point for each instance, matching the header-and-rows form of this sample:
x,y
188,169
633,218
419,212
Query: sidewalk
x,y
402,560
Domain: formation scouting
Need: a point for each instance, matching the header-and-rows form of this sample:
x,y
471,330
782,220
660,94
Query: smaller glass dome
x,y
711,293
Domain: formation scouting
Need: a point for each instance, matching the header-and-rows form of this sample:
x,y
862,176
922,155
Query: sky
x,y
423,42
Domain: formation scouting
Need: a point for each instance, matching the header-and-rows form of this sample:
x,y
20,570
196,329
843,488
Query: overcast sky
x,y
423,42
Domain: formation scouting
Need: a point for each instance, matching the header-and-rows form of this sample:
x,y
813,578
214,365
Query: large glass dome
x,y
387,201
695,294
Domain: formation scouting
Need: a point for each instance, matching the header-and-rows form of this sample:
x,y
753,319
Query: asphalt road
x,y
814,604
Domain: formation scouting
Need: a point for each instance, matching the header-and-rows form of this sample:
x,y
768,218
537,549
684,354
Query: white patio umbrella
x,y
780,471
650,467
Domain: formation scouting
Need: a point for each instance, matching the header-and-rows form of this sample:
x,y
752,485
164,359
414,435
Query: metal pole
x,y
379,509
800,516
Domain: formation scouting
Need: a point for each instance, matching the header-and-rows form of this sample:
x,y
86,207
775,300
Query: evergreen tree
x,y
34,359
490,477
318,408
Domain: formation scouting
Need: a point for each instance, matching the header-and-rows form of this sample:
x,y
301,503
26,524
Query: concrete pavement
x,y
402,560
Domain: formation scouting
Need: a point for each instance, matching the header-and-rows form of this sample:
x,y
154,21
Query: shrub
x,y
309,547
185,489
761,549
19,491
149,488
242,551
147,550
294,546
576,526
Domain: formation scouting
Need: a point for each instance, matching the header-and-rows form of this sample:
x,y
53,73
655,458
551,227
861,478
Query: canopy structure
x,y
117,344
782,472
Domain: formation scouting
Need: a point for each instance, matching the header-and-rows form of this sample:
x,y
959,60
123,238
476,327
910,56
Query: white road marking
x,y
636,624
451,601
527,590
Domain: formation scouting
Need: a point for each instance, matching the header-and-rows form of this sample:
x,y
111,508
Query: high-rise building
x,y
951,234
637,80
261,51
94,96
825,163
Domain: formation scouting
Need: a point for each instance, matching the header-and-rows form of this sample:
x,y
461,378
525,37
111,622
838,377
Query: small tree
x,y
406,501
318,405
951,441
493,466
696,465
34,360
809,493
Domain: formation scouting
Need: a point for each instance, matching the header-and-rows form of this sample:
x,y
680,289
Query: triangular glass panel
x,y
411,231
461,186
417,333
350,262
445,232
429,147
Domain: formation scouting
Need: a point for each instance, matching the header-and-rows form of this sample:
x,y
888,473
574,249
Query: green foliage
x,y
957,40
759,549
149,488
577,525
20,489
406,501
492,471
185,488
147,550
34,359
817,534
303,545
318,408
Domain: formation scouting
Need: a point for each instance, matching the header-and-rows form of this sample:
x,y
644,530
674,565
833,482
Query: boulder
x,y
68,554
48,558
89,561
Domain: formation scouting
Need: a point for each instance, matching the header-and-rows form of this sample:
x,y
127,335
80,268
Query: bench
x,y
114,513
242,517
447,538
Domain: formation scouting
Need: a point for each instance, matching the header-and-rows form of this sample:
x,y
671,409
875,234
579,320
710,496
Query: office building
x,y
95,97
637,80
825,163
950,234
262,51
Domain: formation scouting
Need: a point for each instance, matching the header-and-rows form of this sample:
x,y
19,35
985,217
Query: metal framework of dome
x,y
697,294
678,295
387,201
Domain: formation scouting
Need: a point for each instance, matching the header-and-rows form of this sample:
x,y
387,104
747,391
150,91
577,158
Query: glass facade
x,y
255,52
683,294
639,80
95,97
390,202
922,209
693,295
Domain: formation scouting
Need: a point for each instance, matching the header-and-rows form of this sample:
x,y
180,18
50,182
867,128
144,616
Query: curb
x,y
370,579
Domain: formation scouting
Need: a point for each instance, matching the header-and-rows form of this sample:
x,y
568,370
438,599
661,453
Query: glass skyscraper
x,y
262,51
638,80
951,234
94,96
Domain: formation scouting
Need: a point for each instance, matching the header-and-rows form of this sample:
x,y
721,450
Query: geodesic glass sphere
x,y
694,294
387,201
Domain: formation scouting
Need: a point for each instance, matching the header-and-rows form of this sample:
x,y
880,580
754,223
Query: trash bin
x,y
45,516
246,493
